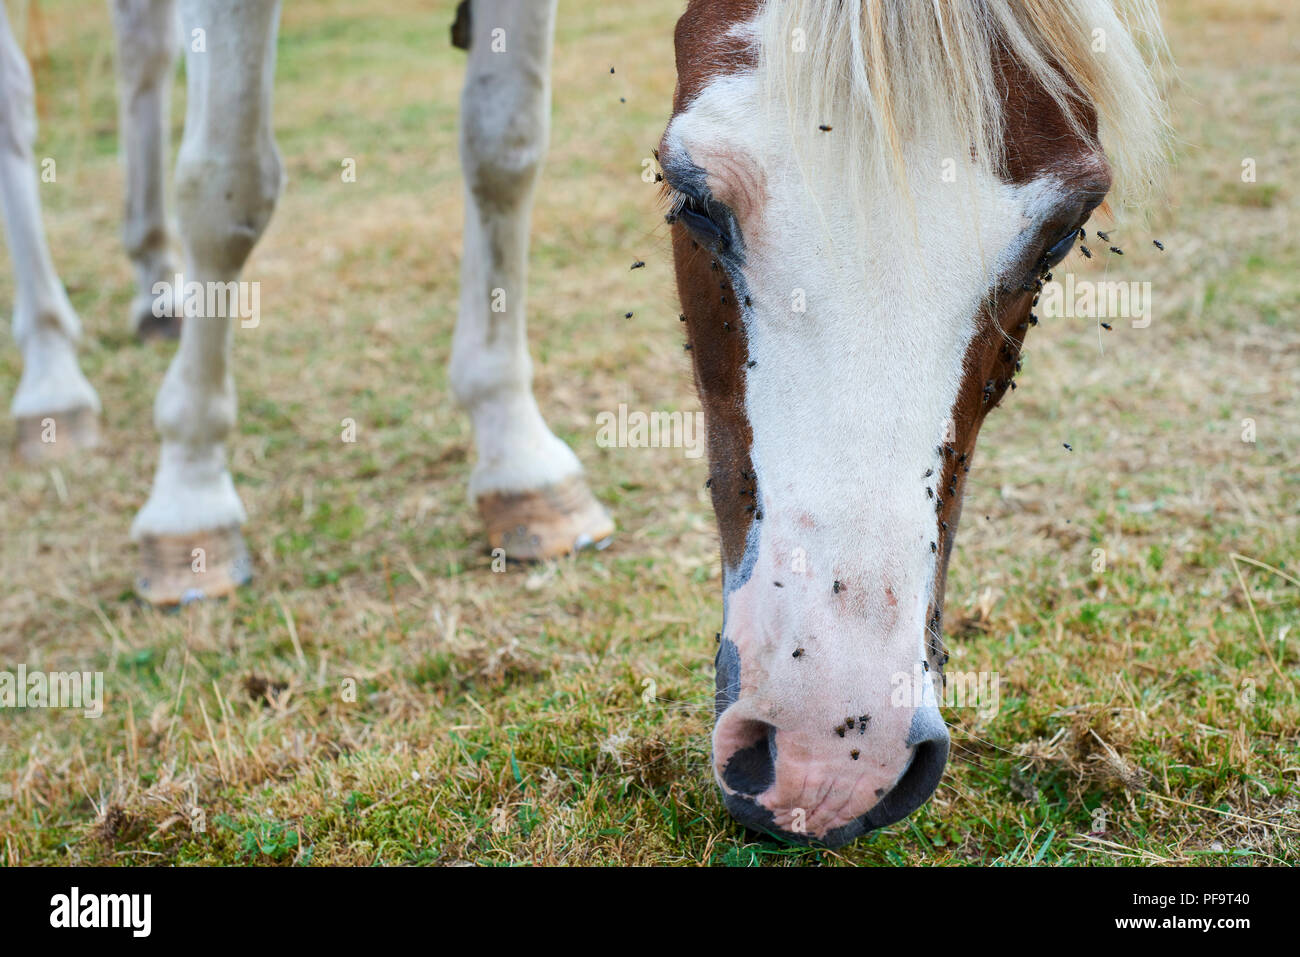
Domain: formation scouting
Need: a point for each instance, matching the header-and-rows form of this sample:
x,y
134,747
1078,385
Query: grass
x,y
380,695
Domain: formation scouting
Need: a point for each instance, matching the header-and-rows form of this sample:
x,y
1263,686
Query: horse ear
x,y
460,28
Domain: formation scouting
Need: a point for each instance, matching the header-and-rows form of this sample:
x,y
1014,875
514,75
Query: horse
x,y
528,485
55,407
53,397
864,198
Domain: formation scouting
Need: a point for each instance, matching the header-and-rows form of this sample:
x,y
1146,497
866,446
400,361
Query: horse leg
x,y
227,180
146,57
56,408
527,483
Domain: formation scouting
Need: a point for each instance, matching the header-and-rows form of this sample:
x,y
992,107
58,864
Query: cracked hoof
x,y
544,523
45,438
179,569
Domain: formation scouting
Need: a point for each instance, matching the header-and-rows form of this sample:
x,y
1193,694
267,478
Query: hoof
x,y
44,438
547,522
148,326
179,569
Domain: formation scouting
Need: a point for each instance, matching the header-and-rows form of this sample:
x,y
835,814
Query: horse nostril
x,y
745,752
751,769
915,786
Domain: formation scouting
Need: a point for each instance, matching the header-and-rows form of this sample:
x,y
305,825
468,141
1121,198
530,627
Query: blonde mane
x,y
887,73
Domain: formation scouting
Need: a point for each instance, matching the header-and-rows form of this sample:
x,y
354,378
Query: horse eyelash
x,y
674,198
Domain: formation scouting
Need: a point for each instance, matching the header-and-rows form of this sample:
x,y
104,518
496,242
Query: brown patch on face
x,y
704,47
1039,138
1039,141
719,353
719,349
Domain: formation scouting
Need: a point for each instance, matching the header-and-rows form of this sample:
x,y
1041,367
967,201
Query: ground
x,y
560,713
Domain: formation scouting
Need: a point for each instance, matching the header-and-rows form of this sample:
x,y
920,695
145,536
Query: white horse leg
x,y
227,182
56,408
146,57
527,483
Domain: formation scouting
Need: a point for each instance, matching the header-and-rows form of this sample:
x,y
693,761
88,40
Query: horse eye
x,y
695,216
1059,249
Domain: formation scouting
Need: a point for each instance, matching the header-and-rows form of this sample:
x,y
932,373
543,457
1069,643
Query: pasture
x,y
1148,709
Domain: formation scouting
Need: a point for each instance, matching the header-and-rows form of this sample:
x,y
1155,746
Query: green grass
x,y
432,710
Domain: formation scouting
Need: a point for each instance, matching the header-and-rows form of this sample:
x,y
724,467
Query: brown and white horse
x,y
865,195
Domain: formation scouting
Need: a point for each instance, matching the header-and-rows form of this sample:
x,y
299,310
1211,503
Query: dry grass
x,y
1149,712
